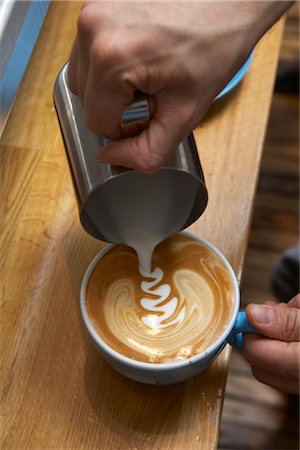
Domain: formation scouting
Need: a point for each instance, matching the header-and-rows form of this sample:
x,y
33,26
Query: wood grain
x,y
57,392
271,418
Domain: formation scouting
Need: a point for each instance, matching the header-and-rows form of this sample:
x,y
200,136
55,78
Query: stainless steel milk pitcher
x,y
114,201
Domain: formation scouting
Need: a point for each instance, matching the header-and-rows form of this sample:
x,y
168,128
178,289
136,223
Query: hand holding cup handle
x,y
242,325
173,371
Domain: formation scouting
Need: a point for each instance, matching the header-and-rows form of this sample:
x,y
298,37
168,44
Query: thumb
x,y
147,152
279,321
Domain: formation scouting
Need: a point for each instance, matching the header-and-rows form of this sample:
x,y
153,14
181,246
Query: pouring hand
x,y
180,54
275,357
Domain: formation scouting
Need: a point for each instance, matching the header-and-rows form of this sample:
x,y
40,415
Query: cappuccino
x,y
170,313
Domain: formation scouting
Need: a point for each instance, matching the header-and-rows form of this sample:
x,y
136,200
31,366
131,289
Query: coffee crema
x,y
171,314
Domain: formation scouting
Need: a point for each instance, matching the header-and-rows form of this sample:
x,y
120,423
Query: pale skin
x,y
181,55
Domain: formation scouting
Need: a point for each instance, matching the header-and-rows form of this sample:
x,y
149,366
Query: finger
x,y
295,301
147,152
86,28
273,356
280,321
73,67
155,146
270,303
104,103
285,384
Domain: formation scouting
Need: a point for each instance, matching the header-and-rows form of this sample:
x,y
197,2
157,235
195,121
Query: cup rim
x,y
164,366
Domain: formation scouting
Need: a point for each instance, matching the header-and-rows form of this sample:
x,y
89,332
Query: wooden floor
x,y
256,416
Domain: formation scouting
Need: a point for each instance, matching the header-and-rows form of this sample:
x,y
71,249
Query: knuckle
x,y
289,324
297,299
149,164
85,22
97,51
108,56
149,168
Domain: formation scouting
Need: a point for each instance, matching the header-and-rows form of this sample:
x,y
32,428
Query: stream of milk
x,y
159,311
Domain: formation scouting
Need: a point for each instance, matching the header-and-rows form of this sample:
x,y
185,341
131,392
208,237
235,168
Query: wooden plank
x,y
57,392
240,120
256,416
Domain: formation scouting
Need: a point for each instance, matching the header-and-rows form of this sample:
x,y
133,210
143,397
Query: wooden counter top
x,y
57,393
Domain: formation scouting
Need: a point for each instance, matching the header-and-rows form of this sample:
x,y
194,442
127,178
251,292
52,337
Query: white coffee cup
x,y
177,371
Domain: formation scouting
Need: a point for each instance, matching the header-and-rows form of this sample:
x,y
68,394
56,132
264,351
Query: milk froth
x,y
170,313
164,308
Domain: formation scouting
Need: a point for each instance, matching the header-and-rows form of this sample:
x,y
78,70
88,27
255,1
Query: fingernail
x,y
262,314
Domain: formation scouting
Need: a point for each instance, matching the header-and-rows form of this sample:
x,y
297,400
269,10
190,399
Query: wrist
x,y
263,15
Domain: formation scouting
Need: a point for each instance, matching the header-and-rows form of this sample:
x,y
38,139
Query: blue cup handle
x,y
242,325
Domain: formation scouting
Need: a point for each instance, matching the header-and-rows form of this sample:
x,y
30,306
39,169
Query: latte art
x,y
162,309
171,313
